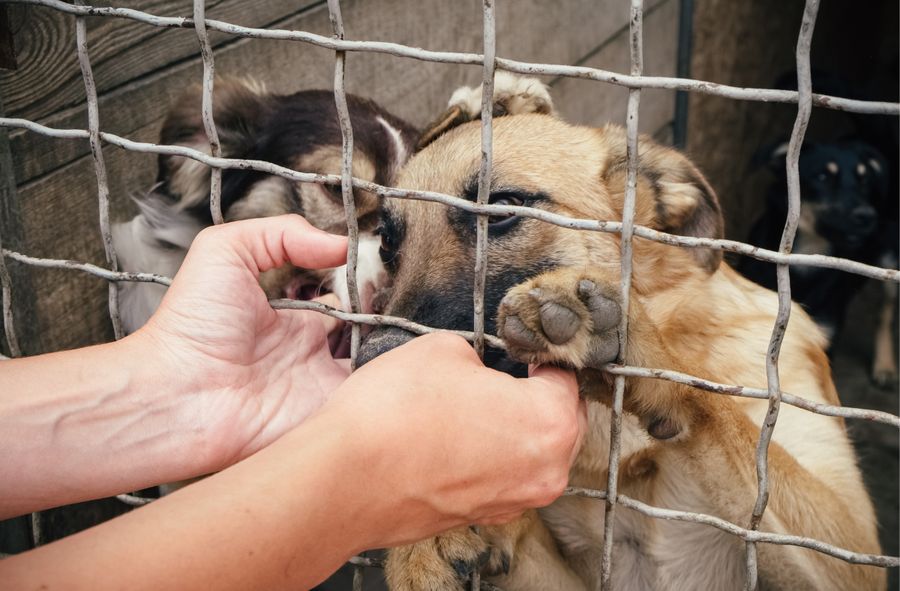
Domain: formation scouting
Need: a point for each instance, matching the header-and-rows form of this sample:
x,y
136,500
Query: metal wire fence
x,y
635,81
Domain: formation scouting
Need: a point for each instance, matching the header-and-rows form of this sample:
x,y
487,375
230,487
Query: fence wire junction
x,y
627,229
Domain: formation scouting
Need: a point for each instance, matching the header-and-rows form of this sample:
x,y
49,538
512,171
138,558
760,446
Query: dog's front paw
x,y
885,376
443,563
513,95
561,318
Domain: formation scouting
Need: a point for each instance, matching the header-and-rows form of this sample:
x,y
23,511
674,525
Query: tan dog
x,y
552,295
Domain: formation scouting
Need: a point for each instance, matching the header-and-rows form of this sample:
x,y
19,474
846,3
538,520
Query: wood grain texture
x,y
594,103
57,188
27,336
121,50
48,88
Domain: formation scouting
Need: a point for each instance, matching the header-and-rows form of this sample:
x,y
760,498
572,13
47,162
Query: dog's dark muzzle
x,y
381,340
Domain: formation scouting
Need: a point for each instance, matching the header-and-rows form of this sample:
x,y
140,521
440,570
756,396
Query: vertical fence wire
x,y
93,112
484,174
489,36
206,110
615,431
357,578
9,327
340,100
804,111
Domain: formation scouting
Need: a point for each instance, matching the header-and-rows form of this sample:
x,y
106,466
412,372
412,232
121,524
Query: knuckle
x,y
448,341
550,488
209,234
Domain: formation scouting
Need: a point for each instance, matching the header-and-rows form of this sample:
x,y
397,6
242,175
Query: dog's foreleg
x,y
519,555
705,440
884,366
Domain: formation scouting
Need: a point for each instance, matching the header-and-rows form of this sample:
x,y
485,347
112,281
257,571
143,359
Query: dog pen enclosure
x,y
634,82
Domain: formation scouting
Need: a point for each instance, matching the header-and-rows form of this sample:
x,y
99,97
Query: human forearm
x,y
284,518
89,423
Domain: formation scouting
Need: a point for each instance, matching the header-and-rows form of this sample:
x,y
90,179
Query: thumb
x,y
549,377
554,378
267,243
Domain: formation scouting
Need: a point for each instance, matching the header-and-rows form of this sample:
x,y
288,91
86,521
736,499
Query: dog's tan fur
x,y
689,312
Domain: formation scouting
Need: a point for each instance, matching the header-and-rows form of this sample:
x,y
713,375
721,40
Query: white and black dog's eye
x,y
387,250
504,199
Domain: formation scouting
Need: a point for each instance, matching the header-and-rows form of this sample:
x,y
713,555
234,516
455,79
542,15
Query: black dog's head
x,y
843,184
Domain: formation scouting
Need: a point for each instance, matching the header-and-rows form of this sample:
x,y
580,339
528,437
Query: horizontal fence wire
x,y
533,69
635,81
742,248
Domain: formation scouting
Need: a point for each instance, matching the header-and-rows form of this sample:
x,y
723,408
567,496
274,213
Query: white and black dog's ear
x,y
513,95
771,156
239,105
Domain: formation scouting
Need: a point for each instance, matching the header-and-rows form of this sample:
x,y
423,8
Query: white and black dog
x,y
300,131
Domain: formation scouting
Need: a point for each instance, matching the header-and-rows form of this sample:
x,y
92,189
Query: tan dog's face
x,y
541,162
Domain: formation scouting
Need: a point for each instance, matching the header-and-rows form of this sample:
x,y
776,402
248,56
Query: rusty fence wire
x,y
635,81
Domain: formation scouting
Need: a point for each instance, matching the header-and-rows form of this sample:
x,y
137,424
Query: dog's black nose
x,y
864,217
381,340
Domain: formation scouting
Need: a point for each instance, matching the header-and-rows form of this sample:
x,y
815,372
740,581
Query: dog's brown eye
x,y
503,199
388,248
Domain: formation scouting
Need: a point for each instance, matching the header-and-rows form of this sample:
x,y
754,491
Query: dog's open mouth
x,y
305,287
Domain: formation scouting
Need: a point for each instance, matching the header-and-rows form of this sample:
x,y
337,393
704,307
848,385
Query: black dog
x,y
845,212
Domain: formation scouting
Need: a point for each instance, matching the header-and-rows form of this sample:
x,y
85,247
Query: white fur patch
x,y
370,275
400,149
267,198
519,94
154,241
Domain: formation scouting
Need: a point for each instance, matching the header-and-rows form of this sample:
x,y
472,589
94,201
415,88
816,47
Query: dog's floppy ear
x,y
454,116
772,157
513,95
688,206
239,105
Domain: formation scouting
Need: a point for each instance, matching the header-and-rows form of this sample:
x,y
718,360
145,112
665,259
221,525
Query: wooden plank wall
x,y
140,69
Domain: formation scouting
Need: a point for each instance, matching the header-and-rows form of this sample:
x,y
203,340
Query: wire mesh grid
x,y
634,81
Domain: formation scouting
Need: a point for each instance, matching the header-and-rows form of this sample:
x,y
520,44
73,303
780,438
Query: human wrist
x,y
385,490
90,423
176,401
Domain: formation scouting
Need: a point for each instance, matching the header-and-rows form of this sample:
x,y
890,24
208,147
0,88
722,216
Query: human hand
x,y
449,442
249,371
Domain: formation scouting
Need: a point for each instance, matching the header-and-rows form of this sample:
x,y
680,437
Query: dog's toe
x,y
605,310
518,335
558,322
